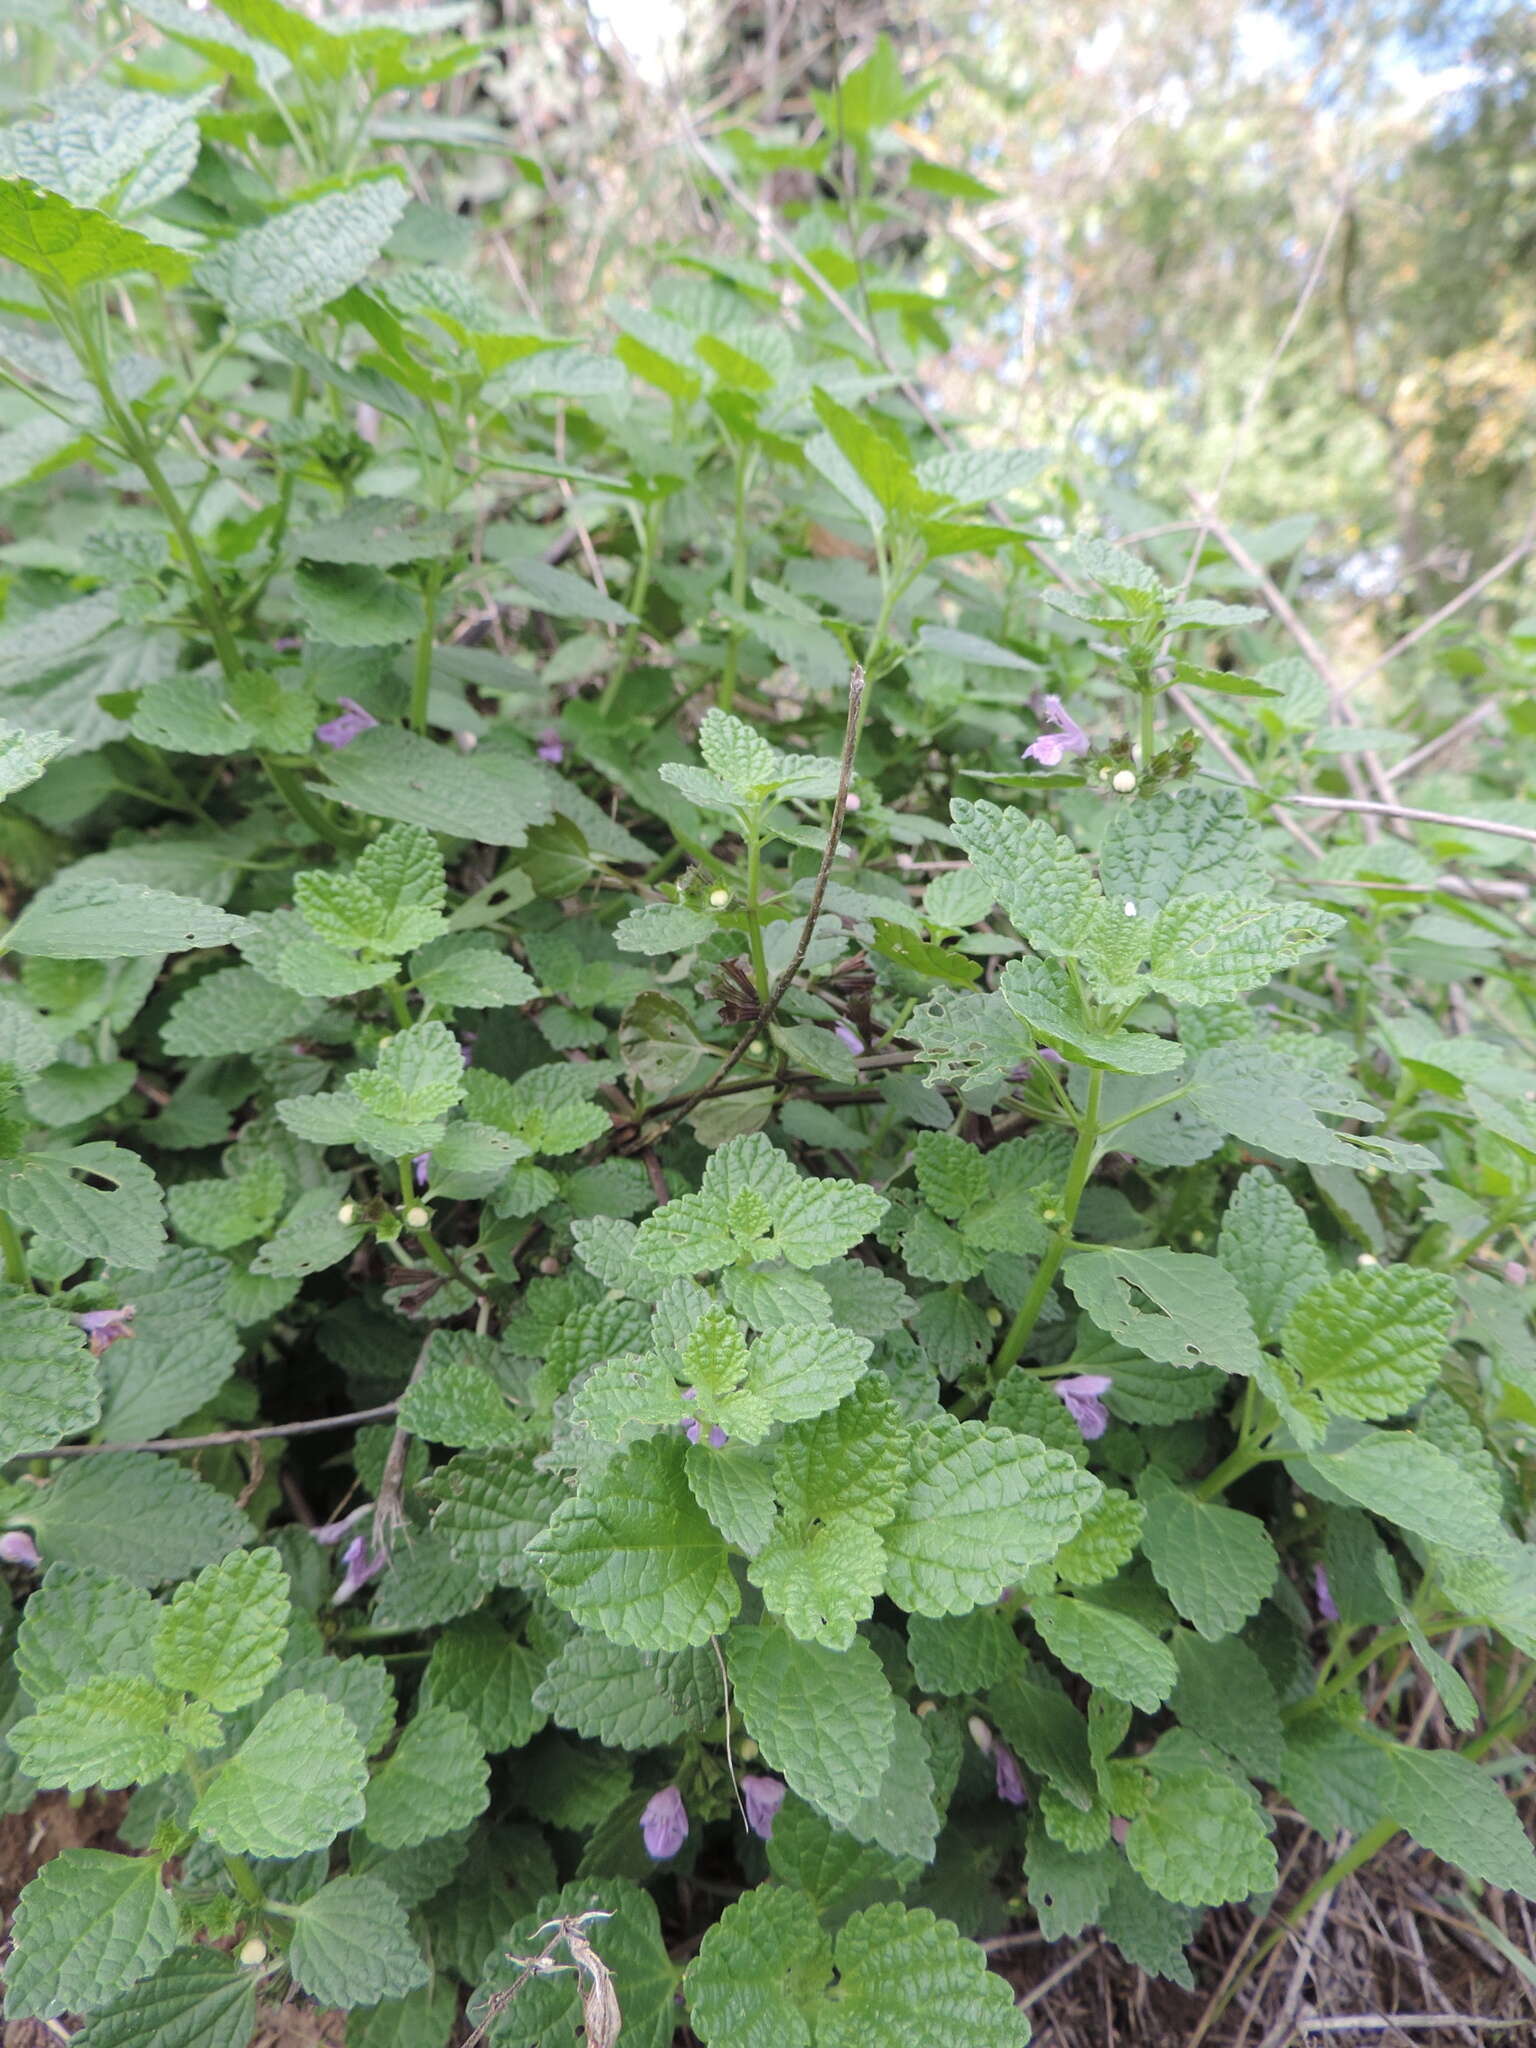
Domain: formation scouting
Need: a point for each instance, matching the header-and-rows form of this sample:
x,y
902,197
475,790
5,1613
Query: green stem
x,y
1148,729
398,1004
1238,1461
637,599
727,692
15,1258
421,677
304,807
1084,1153
245,1882
754,918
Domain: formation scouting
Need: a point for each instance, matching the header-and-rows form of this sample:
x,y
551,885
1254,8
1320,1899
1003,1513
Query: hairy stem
x,y
1084,1153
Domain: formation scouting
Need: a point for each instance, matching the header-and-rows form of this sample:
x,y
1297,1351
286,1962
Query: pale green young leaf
x,y
1109,1538
1041,880
111,1731
1269,1248
145,1519
352,1944
897,1965
821,1579
1372,1342
1215,1564
93,918
1114,1653
49,1385
221,1638
951,1175
458,1402
1202,1841
55,1194
609,1693
68,246
419,1075
305,256
197,1998
1207,949
435,1781
983,1507
851,1462
88,1927
491,1507
227,1212
293,1785
733,1484
83,1623
121,150
754,1204
636,1558
824,1719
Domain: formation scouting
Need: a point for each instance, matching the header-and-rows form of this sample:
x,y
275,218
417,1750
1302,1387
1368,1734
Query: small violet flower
x,y
1081,1396
762,1797
664,1824
421,1169
849,1036
360,1565
1052,748
105,1325
551,747
1119,1828
1011,1788
693,1429
1323,1593
17,1547
344,728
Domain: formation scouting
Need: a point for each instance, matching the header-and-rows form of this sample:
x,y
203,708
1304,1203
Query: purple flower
x,y
1011,1788
332,1532
1119,1828
693,1429
664,1824
421,1168
467,1047
1081,1396
105,1325
762,1797
849,1036
361,1564
1052,748
1323,1594
17,1547
551,747
342,730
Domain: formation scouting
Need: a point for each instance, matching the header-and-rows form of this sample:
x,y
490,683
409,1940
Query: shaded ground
x,y
1395,1957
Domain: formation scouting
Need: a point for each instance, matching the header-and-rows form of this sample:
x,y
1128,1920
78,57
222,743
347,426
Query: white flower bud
x,y
254,1952
417,1216
1124,781
981,1734
757,1048
853,801
719,898
747,1750
387,1039
995,1318
347,1213
1129,907
924,1708
1367,1259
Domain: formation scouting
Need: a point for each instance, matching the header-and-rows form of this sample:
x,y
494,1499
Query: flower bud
x,y
347,1213
1124,781
1367,1259
417,1216
758,1047
980,1733
995,1318
853,801
254,1952
719,898
747,1750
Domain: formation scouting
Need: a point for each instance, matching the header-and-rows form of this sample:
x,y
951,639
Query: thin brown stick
x,y
782,986
221,1437
1215,739
1516,555
389,1505
1411,811
1468,723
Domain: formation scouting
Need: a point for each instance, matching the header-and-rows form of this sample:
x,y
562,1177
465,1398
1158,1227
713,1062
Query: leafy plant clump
x,y
674,1337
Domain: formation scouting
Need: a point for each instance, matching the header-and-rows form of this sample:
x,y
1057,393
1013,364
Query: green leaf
x,y
355,607
1372,1342
352,1944
1040,878
391,899
221,1638
544,588
1198,1316
484,1673
1048,1734
1115,1654
24,755
764,1978
122,1223
1215,1564
1269,1248
110,1732
306,256
135,146
1181,842
1109,1538
492,1506
458,1402
198,1998
824,1719
636,1558
145,1519
225,1213
953,1654
469,970
423,2019
88,1927
82,1623
236,1010
91,918
1207,949
435,1781
1226,1696
1456,1811
292,1786
375,533
984,1507
608,1692
821,1578
391,773
1272,1102
1042,995
881,466
48,1378
68,247
627,1939
1407,1481
309,1238
1202,1841
753,1203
